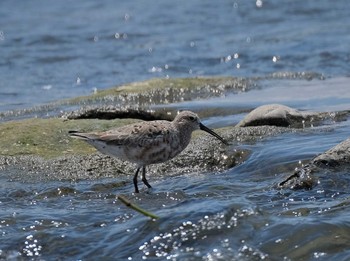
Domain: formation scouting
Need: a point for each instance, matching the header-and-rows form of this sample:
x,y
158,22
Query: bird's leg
x,y
144,177
135,180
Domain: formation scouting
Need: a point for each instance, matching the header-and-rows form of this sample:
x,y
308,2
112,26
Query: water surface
x,y
56,49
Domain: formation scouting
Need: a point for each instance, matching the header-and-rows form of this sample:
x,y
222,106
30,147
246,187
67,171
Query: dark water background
x,y
51,50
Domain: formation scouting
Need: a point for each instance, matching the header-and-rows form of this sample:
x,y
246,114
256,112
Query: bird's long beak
x,y
206,129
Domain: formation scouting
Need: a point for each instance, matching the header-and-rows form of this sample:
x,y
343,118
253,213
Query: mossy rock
x,y
49,138
180,85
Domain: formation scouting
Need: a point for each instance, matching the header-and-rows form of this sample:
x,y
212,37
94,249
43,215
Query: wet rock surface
x,y
273,114
284,116
203,154
280,115
303,178
112,112
54,156
337,157
139,95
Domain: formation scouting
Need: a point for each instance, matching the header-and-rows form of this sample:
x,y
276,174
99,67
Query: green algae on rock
x,y
169,90
144,94
48,138
43,148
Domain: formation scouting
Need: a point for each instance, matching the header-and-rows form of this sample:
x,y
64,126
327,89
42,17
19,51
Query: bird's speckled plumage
x,y
147,142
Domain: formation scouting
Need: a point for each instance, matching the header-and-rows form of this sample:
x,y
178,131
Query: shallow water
x,y
236,215
59,49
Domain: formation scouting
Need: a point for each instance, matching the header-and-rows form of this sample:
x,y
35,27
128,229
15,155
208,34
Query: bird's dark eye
x,y
191,118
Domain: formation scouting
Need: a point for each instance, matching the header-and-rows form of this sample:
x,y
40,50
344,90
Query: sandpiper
x,y
147,142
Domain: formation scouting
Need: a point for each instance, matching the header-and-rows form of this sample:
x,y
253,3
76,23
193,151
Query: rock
x,y
48,138
274,114
301,179
112,112
203,154
38,148
305,178
142,95
284,116
297,75
339,155
41,150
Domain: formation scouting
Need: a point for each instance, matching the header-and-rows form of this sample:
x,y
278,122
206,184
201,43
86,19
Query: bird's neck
x,y
185,134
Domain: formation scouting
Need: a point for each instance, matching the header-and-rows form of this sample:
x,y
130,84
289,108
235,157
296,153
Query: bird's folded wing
x,y
142,138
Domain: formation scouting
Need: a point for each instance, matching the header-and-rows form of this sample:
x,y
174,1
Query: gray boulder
x,y
274,114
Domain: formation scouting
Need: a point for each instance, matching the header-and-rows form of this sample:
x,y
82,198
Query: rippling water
x,y
235,215
56,49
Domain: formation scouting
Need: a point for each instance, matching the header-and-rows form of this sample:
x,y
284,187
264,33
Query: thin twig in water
x,y
136,208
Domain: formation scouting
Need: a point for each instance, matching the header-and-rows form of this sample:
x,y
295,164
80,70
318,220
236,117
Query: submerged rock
x,y
339,155
302,178
306,177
